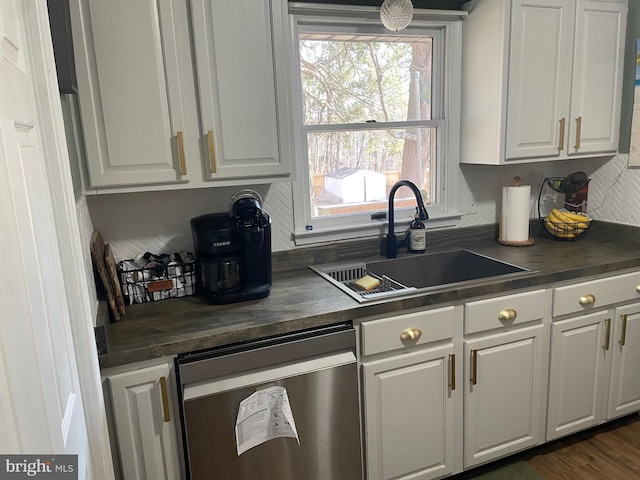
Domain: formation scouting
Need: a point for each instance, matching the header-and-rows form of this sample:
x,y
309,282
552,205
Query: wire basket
x,y
558,203
157,280
566,230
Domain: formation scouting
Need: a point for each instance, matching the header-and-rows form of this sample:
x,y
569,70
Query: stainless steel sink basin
x,y
406,275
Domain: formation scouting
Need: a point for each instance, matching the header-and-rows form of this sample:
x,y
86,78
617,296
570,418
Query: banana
x,y
553,218
572,219
576,217
559,229
581,220
560,234
563,225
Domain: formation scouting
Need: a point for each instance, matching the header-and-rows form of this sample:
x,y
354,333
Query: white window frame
x,y
448,29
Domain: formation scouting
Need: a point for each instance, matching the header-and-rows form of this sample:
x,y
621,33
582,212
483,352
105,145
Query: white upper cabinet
x,y
145,67
542,79
128,57
594,121
539,70
243,85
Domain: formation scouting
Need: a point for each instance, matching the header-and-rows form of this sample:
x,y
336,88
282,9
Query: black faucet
x,y
422,212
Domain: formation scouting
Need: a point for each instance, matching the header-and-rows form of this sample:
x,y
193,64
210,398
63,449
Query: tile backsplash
x,y
159,221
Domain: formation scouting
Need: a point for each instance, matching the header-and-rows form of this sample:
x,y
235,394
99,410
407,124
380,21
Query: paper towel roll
x,y
515,213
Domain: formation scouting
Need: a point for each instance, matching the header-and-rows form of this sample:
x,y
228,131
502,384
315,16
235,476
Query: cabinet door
x,y
624,389
145,423
409,415
578,373
131,103
503,394
597,77
243,86
539,73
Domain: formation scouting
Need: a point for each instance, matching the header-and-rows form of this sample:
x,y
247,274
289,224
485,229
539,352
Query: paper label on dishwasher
x,y
264,415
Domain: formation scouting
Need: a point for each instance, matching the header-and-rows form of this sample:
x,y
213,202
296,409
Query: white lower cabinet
x,y
595,351
624,387
411,396
145,423
410,413
503,407
504,376
578,373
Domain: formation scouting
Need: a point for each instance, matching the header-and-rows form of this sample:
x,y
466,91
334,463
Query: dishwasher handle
x,y
259,355
268,376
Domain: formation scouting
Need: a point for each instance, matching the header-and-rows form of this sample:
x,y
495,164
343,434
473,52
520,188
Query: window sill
x,y
351,232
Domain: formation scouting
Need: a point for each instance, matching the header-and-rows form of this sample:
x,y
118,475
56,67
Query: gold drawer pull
x,y
452,364
578,133
638,289
607,336
561,142
166,414
508,314
212,152
411,334
587,300
623,335
474,367
183,163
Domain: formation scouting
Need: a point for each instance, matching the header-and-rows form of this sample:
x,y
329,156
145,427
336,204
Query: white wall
x,y
159,221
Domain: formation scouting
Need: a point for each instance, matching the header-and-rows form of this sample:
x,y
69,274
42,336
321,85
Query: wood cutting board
x,y
112,271
97,254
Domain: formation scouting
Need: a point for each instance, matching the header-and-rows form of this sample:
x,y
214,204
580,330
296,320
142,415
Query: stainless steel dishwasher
x,y
317,368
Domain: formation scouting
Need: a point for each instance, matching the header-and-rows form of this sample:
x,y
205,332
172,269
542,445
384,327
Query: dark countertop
x,y
301,299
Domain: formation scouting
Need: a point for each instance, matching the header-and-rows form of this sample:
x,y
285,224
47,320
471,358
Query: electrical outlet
x,y
472,203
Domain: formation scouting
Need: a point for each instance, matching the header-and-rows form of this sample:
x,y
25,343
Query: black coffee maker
x,y
233,251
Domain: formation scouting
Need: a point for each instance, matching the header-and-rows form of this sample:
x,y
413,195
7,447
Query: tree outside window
x,y
368,119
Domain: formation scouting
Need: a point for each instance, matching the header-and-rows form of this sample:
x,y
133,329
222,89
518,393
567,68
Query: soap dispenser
x,y
417,235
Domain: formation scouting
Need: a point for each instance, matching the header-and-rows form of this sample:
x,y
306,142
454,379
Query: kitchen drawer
x,y
586,296
503,311
385,334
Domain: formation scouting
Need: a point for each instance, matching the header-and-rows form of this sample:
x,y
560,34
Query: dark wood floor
x,y
608,452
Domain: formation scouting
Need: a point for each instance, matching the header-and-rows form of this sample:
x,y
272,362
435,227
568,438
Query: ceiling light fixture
x,y
396,14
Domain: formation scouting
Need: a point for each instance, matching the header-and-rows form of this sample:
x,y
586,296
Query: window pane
x,y
386,79
353,171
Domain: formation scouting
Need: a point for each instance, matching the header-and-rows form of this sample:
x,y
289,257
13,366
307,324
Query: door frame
x,y
74,273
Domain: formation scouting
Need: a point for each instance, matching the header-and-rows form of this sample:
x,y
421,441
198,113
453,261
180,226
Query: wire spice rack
x,y
164,277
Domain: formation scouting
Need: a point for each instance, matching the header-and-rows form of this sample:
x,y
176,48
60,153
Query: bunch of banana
x,y
564,224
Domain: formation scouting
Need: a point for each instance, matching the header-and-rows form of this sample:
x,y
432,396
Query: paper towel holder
x,y
516,182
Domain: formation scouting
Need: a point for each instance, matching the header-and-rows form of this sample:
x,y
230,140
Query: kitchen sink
x,y
416,273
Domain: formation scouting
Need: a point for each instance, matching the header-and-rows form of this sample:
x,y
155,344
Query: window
x,y
375,107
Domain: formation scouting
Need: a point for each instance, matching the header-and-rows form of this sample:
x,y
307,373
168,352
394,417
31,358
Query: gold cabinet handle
x,y
563,121
607,335
183,163
623,334
212,152
638,289
166,413
411,334
578,133
508,314
474,367
586,300
452,372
